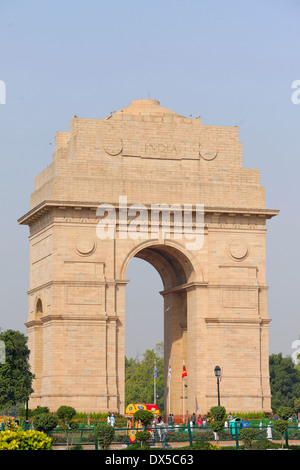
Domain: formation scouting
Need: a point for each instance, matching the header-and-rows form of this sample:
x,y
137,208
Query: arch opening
x,y
39,308
175,271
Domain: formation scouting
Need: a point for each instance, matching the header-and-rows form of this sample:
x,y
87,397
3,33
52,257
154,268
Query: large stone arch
x,y
168,253
215,296
178,273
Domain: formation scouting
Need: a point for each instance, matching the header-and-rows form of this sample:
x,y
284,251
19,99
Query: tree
x,y
247,436
144,416
66,414
15,376
104,434
40,410
281,426
284,412
139,378
218,414
45,422
142,437
297,405
284,381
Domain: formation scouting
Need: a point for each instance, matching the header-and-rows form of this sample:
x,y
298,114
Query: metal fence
x,y
173,435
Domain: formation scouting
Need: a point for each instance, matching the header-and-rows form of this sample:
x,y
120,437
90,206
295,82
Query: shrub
x,y
66,413
22,412
40,410
10,424
215,447
284,412
136,446
45,422
144,416
104,433
201,445
77,447
263,444
218,414
143,436
247,436
24,440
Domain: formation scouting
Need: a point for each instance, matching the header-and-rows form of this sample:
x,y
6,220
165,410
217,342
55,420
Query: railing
x,y
173,435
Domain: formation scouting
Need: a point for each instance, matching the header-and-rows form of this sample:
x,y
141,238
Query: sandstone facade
x,y
215,298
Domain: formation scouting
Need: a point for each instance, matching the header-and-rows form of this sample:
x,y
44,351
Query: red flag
x,y
184,373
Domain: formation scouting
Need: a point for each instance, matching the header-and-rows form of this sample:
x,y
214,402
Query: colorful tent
x,y
133,407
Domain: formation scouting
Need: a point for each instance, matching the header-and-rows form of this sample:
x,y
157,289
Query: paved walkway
x,y
174,445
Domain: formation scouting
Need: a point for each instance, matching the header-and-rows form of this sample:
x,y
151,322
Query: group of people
x,y
198,421
170,420
111,419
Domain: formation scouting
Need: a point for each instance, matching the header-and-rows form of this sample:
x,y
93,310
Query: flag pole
x,y
154,392
169,388
184,374
183,420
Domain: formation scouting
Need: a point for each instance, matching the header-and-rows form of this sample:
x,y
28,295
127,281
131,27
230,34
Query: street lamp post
x,y
26,419
218,374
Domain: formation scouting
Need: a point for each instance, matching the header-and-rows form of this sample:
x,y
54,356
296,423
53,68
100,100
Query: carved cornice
x,y
46,206
102,318
236,321
184,287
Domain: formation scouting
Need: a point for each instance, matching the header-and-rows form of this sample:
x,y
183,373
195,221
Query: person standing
x,y
162,433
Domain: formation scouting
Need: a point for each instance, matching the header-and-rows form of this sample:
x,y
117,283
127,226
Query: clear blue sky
x,y
231,62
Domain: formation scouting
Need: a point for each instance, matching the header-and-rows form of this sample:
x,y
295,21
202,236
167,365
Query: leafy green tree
x,y
144,416
284,381
45,422
284,412
139,378
66,414
218,414
142,437
40,410
297,405
247,436
15,375
104,434
281,426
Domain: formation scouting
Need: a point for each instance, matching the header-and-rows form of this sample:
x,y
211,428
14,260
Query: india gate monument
x,y
147,182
